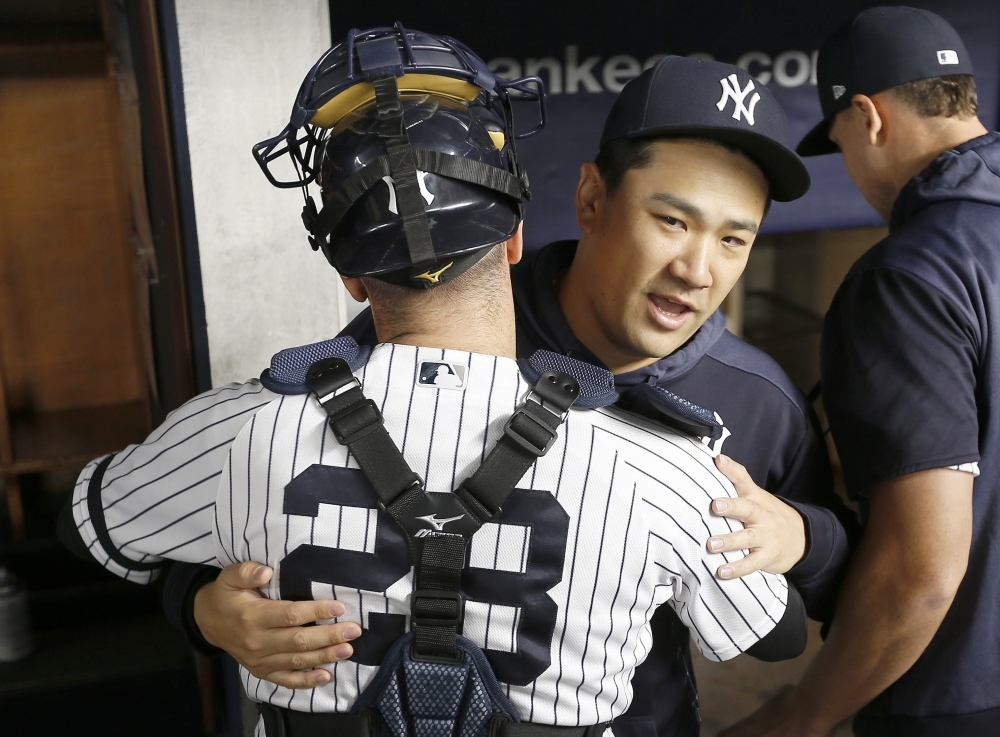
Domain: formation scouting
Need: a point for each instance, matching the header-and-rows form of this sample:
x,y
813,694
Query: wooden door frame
x,y
170,290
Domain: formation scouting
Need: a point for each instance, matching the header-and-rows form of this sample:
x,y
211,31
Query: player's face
x,y
672,241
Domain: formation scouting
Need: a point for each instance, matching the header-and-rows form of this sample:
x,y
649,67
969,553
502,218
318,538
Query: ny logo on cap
x,y
731,91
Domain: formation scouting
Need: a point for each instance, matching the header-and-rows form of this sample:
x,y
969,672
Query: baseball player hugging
x,y
501,531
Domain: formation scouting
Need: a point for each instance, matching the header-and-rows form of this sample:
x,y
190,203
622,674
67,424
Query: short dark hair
x,y
616,157
951,96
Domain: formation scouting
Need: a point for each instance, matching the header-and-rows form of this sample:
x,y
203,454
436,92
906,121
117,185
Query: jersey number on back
x,y
526,591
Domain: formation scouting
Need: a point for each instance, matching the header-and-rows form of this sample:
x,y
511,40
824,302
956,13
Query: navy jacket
x,y
774,434
911,381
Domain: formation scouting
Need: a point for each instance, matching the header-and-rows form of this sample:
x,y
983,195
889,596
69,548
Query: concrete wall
x,y
242,62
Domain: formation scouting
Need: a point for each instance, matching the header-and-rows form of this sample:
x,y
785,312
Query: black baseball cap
x,y
680,96
881,48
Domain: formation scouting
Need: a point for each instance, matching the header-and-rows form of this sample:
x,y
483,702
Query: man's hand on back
x,y
267,637
774,531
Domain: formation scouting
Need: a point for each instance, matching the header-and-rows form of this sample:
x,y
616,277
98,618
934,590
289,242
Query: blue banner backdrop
x,y
586,52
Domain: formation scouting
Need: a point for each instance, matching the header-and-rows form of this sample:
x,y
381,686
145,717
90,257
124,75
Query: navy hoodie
x,y
911,381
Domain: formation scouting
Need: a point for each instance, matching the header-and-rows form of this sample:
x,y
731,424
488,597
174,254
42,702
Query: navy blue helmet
x,y
410,139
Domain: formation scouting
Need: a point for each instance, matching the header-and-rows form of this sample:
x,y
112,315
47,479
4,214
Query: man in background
x,y
910,380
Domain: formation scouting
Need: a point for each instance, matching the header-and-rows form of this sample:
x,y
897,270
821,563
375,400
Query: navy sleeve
x,y
182,582
899,378
788,638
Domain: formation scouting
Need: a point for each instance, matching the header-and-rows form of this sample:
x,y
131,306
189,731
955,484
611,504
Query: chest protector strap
x,y
433,682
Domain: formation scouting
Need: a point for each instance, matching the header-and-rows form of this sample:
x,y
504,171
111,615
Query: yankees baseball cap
x,y
881,48
680,96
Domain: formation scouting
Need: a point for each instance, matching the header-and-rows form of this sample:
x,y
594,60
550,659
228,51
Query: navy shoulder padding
x,y
672,410
287,374
597,385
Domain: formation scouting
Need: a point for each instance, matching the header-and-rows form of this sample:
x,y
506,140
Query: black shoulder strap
x,y
529,434
437,612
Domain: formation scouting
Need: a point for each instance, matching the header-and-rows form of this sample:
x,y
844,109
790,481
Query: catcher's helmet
x,y
409,136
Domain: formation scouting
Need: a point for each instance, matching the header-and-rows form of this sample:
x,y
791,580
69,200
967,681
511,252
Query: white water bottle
x,y
15,624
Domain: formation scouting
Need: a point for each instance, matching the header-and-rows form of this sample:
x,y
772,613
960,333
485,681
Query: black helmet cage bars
x,y
379,56
303,141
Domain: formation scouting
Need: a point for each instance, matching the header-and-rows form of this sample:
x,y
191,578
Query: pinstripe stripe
x,y
569,587
614,600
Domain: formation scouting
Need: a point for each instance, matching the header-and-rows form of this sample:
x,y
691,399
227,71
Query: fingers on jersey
x,y
246,575
763,557
736,473
774,531
297,678
300,648
275,613
742,508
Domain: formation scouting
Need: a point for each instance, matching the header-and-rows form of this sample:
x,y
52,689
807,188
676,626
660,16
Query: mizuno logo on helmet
x,y
438,524
433,277
731,91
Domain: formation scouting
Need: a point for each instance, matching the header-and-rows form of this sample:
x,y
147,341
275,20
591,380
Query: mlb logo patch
x,y
947,56
441,375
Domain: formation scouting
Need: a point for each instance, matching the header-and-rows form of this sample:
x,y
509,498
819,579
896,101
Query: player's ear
x,y
356,287
590,194
515,245
872,118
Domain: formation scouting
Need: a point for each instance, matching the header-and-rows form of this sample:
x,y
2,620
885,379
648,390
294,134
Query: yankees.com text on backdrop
x,y
569,74
587,52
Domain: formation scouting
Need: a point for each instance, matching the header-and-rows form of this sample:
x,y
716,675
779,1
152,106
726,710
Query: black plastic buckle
x,y
558,389
438,594
371,423
329,377
511,432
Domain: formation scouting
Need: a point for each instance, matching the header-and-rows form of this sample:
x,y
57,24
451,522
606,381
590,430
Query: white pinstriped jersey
x,y
610,524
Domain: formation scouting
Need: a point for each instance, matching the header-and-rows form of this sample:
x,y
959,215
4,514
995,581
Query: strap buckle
x,y
327,376
529,432
438,619
353,384
558,389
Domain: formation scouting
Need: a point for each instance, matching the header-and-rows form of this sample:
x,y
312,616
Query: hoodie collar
x,y
554,330
950,176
